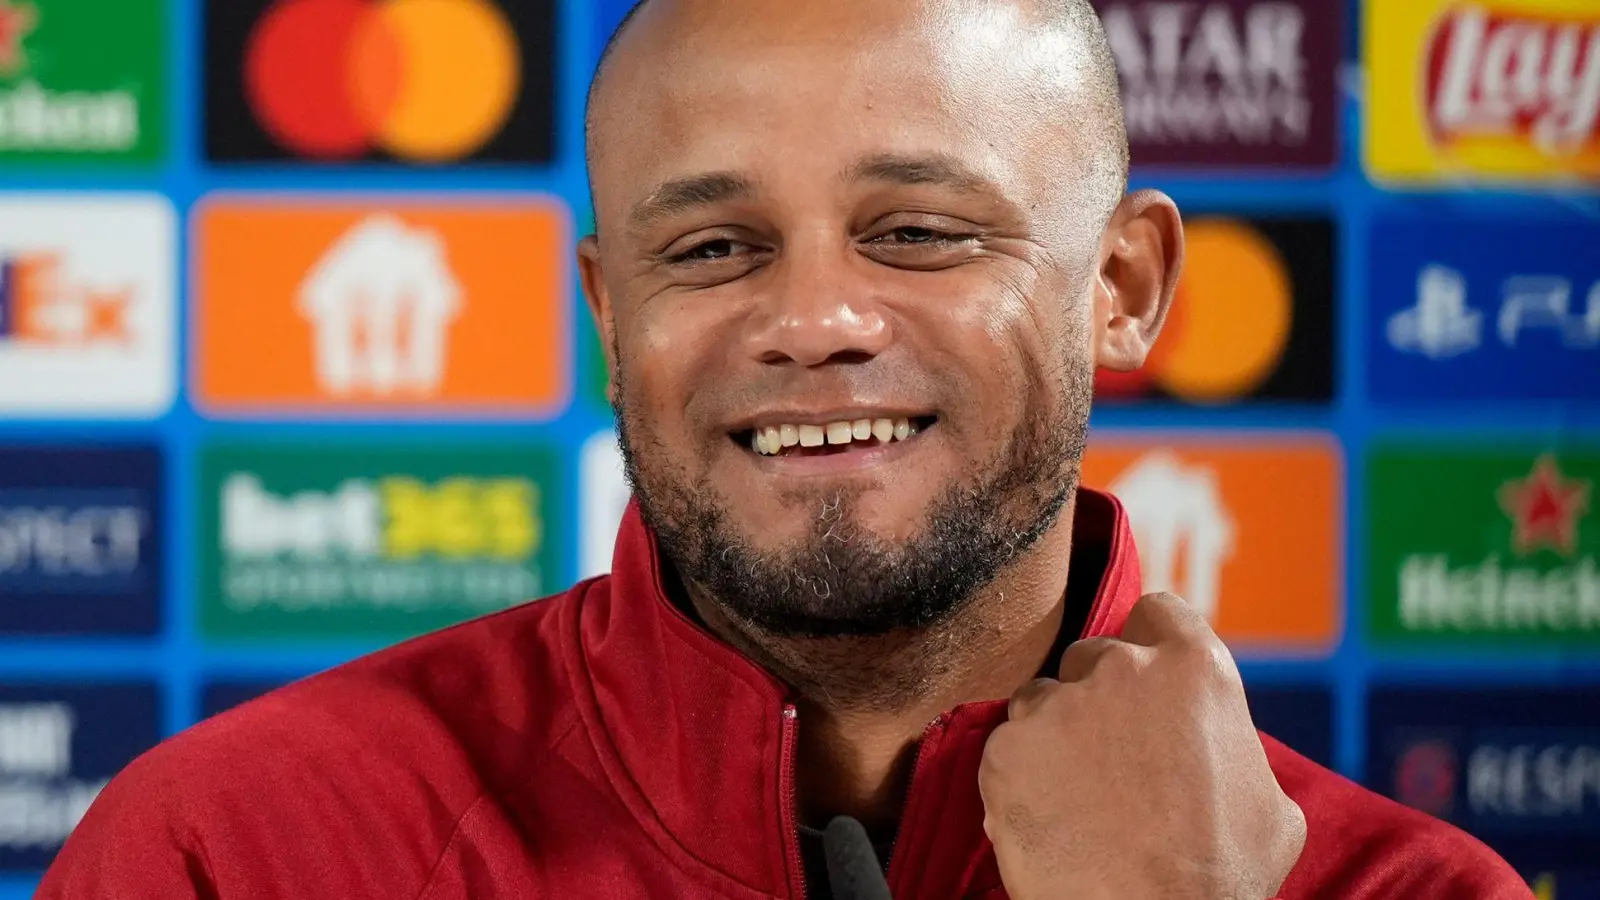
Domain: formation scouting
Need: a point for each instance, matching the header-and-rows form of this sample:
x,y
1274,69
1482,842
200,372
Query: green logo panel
x,y
358,541
82,81
1490,547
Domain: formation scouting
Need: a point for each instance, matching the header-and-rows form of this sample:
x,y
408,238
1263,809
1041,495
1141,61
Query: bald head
x,y
1088,103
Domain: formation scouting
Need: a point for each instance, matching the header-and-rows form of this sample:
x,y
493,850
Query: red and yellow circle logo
x,y
1229,322
425,80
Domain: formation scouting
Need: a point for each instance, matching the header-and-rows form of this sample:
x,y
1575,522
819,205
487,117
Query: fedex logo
x,y
88,297
1492,73
41,304
1467,309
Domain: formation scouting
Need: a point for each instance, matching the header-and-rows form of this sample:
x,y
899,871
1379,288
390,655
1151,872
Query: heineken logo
x,y
1488,544
1545,508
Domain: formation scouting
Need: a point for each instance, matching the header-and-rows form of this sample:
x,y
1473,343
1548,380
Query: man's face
x,y
838,222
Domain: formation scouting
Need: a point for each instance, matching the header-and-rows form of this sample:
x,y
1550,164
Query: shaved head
x,y
1092,105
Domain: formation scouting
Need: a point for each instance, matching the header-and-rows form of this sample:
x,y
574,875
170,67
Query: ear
x,y
1141,258
599,300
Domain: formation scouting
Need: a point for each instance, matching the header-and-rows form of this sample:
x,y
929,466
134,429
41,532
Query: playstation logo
x,y
1544,301
1441,325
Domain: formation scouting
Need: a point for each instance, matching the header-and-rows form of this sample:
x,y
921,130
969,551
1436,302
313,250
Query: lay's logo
x,y
1537,79
1469,91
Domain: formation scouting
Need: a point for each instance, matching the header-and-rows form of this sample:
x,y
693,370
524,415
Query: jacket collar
x,y
698,739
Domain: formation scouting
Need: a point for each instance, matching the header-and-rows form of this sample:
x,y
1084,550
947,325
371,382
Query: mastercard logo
x,y
421,80
1229,324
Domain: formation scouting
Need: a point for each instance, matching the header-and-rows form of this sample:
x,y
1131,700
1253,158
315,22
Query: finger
x,y
1030,697
1165,618
1082,656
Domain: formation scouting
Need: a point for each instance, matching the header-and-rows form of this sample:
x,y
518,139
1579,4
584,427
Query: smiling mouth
x,y
799,440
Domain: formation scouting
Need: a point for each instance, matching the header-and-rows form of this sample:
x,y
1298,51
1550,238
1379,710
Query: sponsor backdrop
x,y
293,366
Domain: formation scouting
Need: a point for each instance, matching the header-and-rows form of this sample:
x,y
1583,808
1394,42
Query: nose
x,y
820,309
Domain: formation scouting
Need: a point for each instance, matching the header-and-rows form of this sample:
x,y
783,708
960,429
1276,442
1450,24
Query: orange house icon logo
x,y
433,307
1249,535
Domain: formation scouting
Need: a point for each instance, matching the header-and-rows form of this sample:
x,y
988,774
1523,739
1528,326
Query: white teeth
x,y
771,440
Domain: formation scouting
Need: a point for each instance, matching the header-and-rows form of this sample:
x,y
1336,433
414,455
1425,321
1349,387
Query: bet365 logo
x,y
397,518
380,542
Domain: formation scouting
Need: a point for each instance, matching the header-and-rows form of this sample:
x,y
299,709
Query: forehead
x,y
779,89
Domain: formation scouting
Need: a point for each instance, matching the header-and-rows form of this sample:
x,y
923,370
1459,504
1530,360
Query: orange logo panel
x,y
1251,535
428,306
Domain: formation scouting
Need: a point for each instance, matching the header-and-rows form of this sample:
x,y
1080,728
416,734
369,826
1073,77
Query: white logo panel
x,y
87,305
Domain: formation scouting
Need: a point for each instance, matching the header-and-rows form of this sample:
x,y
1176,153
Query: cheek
x,y
997,349
664,354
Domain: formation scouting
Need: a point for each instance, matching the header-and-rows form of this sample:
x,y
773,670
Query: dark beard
x,y
842,580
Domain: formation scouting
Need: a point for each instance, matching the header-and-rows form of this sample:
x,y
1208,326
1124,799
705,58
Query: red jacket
x,y
600,745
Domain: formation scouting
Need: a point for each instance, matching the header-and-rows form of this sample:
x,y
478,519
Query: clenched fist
x,y
1138,774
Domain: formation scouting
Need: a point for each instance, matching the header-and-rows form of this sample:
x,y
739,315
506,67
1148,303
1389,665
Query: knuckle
x,y
1119,661
1218,661
1081,656
997,751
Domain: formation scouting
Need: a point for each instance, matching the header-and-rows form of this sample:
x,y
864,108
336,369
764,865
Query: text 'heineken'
x,y
1484,544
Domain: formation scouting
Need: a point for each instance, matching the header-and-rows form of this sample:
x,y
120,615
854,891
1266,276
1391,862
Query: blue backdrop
x,y
1440,335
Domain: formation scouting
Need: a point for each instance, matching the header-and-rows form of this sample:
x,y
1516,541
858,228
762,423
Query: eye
x,y
913,234
721,248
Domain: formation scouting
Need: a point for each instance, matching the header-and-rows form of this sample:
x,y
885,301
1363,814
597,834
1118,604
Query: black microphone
x,y
853,869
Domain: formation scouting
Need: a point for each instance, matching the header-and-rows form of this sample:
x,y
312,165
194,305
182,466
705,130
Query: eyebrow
x,y
682,195
934,169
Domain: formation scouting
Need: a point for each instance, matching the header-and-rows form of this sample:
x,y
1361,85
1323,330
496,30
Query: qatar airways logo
x,y
1212,73
1498,74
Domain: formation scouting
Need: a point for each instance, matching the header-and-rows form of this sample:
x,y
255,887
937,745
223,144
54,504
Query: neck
x,y
866,701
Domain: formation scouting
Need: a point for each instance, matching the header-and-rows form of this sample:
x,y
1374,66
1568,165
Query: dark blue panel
x,y
1301,717
1470,309
80,540
1519,768
1570,884
220,696
59,744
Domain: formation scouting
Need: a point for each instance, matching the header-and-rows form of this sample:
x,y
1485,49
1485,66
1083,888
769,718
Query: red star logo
x,y
17,21
1545,508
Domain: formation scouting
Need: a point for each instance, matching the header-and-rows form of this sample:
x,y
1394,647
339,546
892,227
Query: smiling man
x,y
856,264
